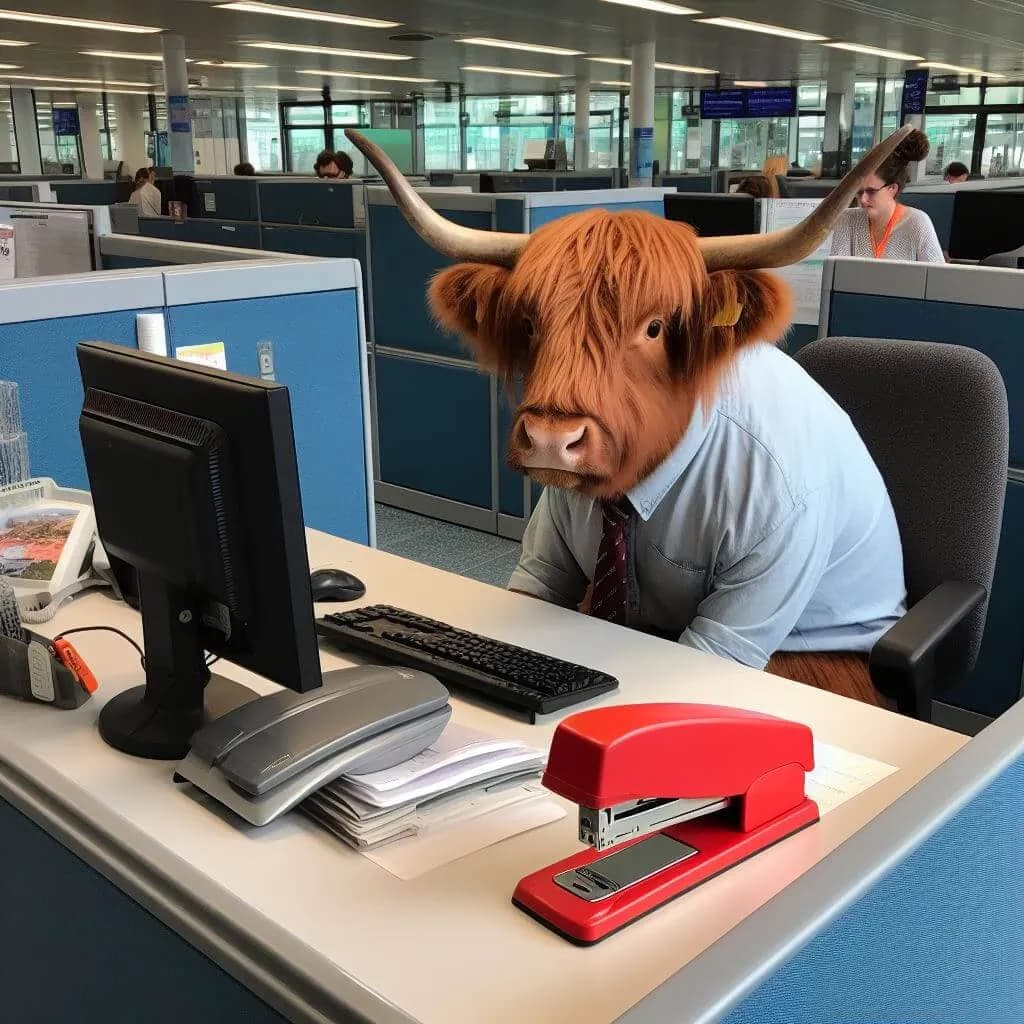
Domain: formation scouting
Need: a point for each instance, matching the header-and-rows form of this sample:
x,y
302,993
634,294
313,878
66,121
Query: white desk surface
x,y
313,927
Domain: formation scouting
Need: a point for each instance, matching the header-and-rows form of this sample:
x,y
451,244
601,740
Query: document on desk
x,y
840,774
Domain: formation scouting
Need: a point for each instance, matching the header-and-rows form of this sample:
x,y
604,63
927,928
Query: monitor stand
x,y
157,720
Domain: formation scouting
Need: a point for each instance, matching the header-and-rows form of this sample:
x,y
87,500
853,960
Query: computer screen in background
x,y
712,214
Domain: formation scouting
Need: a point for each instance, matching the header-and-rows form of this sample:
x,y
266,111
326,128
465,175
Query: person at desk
x,y
145,195
879,226
757,185
245,169
333,165
956,173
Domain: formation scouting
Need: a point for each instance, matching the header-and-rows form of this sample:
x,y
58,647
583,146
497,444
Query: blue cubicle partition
x,y
91,193
207,231
281,301
456,470
689,182
982,308
311,202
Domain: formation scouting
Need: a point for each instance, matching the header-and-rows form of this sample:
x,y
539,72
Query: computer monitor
x,y
986,222
195,486
712,214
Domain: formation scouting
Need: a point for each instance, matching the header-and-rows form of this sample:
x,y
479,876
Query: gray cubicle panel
x,y
455,471
224,197
242,234
547,181
133,252
982,308
243,305
82,244
938,199
311,202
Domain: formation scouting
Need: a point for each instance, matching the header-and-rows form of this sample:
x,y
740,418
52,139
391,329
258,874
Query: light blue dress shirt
x,y
768,528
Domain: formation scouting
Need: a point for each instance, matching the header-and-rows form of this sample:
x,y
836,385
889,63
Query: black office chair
x,y
934,418
1011,259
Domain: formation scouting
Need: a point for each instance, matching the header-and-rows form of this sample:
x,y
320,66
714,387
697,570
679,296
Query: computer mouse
x,y
336,585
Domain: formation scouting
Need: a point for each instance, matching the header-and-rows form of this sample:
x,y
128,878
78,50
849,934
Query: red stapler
x,y
714,785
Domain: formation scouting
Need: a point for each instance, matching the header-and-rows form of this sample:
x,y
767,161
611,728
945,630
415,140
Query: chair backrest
x,y
934,418
1005,259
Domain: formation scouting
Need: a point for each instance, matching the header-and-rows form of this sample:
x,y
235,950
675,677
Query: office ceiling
x,y
985,34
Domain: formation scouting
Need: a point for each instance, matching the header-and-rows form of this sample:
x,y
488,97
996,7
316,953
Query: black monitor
x,y
986,222
713,214
196,489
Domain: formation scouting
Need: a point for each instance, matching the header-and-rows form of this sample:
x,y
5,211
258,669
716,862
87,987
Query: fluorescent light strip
x,y
329,51
363,74
52,19
758,26
616,85
658,6
292,88
626,62
43,83
874,51
76,81
751,85
484,69
13,42
305,14
508,44
120,55
939,66
240,64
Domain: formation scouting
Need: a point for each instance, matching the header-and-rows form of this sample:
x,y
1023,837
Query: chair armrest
x,y
903,662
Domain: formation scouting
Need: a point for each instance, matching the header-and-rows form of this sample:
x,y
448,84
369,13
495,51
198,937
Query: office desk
x,y
322,934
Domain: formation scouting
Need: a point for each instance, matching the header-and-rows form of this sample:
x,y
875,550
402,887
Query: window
x,y
810,140
442,150
745,144
1004,94
951,137
961,96
810,96
1003,152
8,140
307,133
865,97
262,133
604,120
498,128
60,154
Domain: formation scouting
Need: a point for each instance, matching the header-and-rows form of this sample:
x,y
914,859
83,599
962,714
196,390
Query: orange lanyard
x,y
880,246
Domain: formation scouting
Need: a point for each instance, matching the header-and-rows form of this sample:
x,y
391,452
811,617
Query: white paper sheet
x,y
415,856
804,277
840,774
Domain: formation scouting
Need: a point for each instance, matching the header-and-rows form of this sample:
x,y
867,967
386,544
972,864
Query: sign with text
x,y
179,115
642,154
65,121
915,92
717,104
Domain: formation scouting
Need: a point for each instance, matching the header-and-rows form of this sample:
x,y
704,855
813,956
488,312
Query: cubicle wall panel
x,y
938,939
309,203
224,198
91,193
130,262
402,264
316,354
688,183
106,959
798,336
40,357
434,428
239,235
541,215
574,184
996,332
510,483
315,241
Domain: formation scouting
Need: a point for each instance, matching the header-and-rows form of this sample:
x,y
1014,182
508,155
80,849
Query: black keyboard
x,y
501,673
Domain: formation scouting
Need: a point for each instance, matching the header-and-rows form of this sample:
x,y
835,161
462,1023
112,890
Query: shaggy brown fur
x,y
575,318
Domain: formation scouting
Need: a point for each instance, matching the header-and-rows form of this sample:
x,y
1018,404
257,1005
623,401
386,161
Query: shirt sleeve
x,y
547,568
755,603
929,250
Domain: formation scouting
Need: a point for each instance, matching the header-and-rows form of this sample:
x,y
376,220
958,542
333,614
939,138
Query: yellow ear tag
x,y
728,316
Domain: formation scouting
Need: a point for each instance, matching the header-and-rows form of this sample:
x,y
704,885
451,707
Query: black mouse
x,y
336,585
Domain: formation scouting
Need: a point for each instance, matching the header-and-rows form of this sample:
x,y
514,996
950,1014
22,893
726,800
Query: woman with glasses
x,y
879,226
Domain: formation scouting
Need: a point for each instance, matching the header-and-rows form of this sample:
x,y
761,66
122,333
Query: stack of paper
x,y
462,775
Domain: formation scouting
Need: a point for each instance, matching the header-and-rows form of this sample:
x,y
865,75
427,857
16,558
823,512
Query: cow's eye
x,y
654,329
528,326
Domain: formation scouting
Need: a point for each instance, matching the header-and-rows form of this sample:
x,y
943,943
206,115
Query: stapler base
x,y
585,919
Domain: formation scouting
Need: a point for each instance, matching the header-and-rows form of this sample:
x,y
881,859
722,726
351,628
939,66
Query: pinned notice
x,y
210,354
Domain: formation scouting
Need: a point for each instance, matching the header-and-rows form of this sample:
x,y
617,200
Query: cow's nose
x,y
552,446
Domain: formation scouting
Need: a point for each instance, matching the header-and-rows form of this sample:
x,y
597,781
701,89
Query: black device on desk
x,y
985,223
501,673
711,214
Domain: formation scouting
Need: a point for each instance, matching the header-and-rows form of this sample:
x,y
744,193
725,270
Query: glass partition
x,y
60,154
951,137
263,133
442,147
498,128
8,140
1002,154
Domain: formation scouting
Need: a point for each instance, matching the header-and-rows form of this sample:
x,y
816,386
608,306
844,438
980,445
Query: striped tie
x,y
611,580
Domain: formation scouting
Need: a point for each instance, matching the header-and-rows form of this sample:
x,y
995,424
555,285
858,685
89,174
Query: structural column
x,y
179,119
25,131
837,145
641,115
581,124
89,133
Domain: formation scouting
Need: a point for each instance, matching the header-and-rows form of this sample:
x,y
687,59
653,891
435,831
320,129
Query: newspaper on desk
x,y
461,778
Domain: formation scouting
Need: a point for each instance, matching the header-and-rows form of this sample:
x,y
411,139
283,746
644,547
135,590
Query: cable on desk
x,y
104,629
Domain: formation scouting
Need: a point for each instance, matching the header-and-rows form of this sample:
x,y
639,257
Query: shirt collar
x,y
648,494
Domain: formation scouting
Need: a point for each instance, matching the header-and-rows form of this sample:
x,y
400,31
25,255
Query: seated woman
x,y
145,195
879,227
757,185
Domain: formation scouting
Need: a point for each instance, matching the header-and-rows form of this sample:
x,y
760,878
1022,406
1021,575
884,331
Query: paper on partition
x,y
803,277
840,774
415,856
6,253
210,354
56,242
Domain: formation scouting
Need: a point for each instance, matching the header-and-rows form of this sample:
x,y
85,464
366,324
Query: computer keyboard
x,y
498,672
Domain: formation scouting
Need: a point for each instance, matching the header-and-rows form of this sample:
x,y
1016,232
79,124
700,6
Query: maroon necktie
x,y
611,580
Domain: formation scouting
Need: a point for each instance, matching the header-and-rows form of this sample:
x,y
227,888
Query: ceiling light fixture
x,y
292,88
751,85
508,44
658,6
52,19
363,74
485,69
874,51
74,81
328,51
939,66
121,55
616,85
760,26
13,42
305,14
239,64
626,62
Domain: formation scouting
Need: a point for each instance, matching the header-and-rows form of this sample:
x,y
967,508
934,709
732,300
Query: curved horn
x,y
791,245
461,243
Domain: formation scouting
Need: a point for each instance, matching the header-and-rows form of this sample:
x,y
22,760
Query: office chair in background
x,y
934,418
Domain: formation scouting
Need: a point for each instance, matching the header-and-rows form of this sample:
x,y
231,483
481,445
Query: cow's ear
x,y
466,299
745,306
